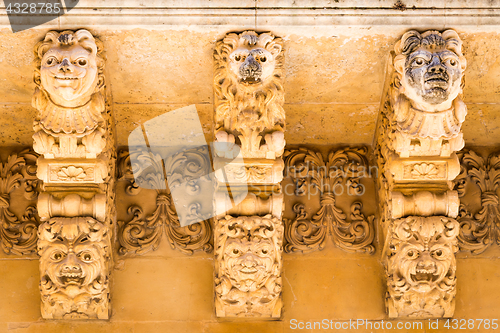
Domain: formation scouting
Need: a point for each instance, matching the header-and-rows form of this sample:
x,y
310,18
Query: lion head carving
x,y
74,255
248,86
421,266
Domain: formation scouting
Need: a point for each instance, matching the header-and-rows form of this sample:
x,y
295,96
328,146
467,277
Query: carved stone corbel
x,y
74,135
418,137
249,132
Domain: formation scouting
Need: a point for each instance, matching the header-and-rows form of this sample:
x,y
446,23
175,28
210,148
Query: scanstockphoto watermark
x,y
364,325
26,14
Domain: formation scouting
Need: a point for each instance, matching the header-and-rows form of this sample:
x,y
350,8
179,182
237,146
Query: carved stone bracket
x,y
248,266
75,255
143,233
311,173
479,231
421,267
18,235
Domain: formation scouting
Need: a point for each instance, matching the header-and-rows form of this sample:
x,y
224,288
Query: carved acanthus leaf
x,y
308,169
480,231
17,236
144,233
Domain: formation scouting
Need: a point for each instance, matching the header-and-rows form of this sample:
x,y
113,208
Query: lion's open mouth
x,y
424,275
250,80
438,80
74,276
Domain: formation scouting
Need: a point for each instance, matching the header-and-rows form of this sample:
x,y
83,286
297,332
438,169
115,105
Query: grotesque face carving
x,y
248,263
430,67
73,263
421,267
424,266
70,69
248,251
252,57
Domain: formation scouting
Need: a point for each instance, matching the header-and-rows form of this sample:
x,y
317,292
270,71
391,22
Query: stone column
x,y
73,135
249,131
418,138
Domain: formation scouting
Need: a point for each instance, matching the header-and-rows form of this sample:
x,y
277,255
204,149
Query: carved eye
x,y
419,61
438,253
264,251
237,57
412,254
86,256
57,256
263,59
453,62
236,251
51,61
82,62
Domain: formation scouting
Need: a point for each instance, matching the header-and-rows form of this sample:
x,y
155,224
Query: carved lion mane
x,y
257,100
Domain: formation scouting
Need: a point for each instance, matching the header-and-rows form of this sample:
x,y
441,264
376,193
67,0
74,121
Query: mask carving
x,y
74,256
427,88
69,75
248,272
249,93
421,267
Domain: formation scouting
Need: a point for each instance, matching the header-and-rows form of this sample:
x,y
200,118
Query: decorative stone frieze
x,y
314,177
249,94
74,135
481,230
75,256
18,235
143,233
421,267
418,137
248,266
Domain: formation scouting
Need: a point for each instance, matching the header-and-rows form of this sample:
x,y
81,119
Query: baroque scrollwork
x,y
248,266
479,231
144,233
421,267
249,93
308,170
18,236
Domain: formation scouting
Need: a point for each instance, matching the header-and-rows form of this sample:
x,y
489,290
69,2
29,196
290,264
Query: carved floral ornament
x,y
479,231
18,235
144,233
308,170
249,93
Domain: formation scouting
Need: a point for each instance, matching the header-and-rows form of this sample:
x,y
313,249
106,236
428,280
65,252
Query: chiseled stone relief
x,y
74,135
314,176
481,230
248,266
418,137
144,233
75,257
421,267
248,203
249,93
18,235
